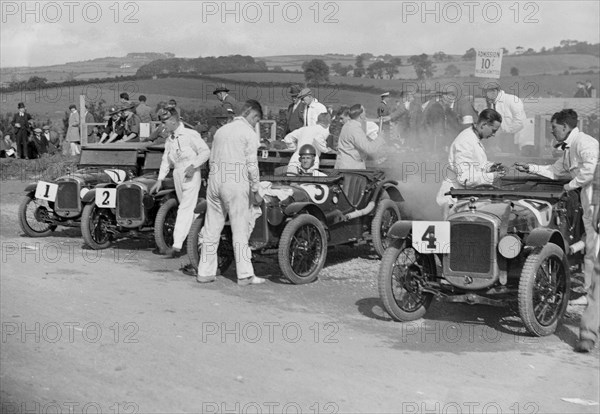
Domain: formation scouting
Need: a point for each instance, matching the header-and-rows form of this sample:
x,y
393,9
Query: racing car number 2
x,y
106,197
431,236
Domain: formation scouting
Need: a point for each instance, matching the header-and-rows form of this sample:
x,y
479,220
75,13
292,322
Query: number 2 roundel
x,y
318,193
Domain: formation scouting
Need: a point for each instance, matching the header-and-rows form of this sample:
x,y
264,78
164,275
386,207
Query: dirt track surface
x,y
122,330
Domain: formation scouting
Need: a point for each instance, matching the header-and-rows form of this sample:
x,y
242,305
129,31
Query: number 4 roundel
x,y
431,236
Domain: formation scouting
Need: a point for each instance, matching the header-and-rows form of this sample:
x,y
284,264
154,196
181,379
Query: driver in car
x,y
307,165
467,161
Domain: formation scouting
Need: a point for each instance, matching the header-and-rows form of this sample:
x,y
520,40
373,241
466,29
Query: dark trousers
x,y
21,140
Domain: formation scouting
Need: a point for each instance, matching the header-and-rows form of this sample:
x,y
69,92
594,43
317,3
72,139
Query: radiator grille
x,y
129,203
470,249
67,196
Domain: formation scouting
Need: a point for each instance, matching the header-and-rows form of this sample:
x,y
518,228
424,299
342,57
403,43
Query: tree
x,y
470,54
451,71
376,69
340,69
514,71
315,71
391,69
504,51
423,66
439,56
277,69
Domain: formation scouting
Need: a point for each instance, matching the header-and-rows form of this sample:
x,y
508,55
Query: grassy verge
x,y
46,168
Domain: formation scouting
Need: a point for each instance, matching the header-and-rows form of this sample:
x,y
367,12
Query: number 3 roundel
x,y
318,193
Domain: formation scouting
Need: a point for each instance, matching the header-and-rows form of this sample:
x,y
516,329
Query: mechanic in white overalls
x,y
233,182
185,151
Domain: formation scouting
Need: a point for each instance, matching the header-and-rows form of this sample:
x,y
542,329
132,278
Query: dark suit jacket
x,y
295,118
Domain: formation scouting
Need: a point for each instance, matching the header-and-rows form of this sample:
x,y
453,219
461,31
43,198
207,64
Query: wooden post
x,y
83,136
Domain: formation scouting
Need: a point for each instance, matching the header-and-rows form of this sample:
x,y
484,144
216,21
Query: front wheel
x,y
34,217
164,224
386,215
403,272
302,249
94,226
194,246
544,289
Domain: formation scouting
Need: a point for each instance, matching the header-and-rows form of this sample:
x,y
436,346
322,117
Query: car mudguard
x,y
391,187
31,188
201,206
295,208
400,230
540,236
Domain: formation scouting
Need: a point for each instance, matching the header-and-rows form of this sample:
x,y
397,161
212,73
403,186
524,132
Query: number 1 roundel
x,y
318,193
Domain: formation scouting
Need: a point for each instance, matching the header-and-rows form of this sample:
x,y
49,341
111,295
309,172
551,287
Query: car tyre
x,y
386,215
94,229
194,246
401,275
34,226
544,289
164,224
302,249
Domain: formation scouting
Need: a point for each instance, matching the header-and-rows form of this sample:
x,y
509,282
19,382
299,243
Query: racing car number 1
x,y
431,236
106,197
46,191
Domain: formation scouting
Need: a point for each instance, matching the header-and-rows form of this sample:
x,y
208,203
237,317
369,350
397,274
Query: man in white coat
x,y
233,181
578,163
313,107
185,151
468,164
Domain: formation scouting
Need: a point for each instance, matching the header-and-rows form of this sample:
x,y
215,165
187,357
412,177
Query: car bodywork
x,y
520,241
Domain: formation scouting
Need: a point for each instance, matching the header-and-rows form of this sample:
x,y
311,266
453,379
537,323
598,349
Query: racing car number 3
x,y
46,191
431,236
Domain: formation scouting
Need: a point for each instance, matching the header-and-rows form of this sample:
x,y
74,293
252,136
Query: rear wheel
x,y
386,215
402,274
302,249
34,217
94,226
194,246
164,224
544,289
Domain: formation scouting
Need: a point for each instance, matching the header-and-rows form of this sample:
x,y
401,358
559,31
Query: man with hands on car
x,y
468,163
578,162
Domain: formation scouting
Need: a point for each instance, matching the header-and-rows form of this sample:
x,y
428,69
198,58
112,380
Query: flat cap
x,y
38,130
385,94
304,92
295,90
220,88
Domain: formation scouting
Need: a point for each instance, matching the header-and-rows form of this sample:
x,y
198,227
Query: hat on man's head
x,y
20,105
128,106
46,127
114,110
304,92
385,94
295,90
220,113
37,130
220,88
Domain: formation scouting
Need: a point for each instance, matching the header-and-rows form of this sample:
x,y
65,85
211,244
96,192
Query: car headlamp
x,y
510,246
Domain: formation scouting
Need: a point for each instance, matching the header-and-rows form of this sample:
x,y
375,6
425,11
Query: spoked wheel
x,y
386,215
164,224
544,289
95,223
194,246
302,249
402,274
34,217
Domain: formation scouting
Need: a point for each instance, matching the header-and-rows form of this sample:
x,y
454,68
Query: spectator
x,y
434,123
581,91
295,111
512,111
589,88
227,101
222,117
384,110
89,119
38,144
312,107
160,134
52,138
124,98
173,104
131,123
354,146
21,123
144,111
114,129
340,118
409,123
73,137
8,148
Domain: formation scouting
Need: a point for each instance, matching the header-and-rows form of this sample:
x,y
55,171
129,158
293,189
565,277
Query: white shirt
x,y
312,112
578,161
512,111
183,148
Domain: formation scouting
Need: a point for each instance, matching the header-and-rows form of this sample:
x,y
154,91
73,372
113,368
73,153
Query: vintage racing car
x,y
301,216
129,210
47,205
520,242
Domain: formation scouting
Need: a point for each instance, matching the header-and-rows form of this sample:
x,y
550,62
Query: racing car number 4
x,y
46,191
431,236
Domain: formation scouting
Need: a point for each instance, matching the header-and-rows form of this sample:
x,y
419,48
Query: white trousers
x,y
187,190
233,198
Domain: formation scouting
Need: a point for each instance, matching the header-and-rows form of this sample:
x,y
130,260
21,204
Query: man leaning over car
x,y
578,162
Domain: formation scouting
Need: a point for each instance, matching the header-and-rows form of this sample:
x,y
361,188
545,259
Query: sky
x,y
55,32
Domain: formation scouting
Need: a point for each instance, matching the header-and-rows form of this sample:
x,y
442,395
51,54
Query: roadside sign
x,y
488,63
